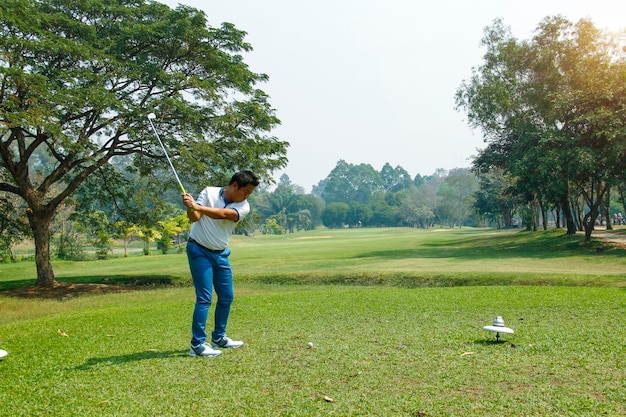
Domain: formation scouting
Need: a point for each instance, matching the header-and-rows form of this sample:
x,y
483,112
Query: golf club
x,y
180,184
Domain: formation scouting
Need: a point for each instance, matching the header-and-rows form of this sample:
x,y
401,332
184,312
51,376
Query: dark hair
x,y
244,178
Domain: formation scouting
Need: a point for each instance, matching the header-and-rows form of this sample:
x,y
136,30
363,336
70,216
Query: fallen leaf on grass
x,y
62,333
151,350
323,396
466,353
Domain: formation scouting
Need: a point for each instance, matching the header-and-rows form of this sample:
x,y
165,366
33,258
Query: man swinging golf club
x,y
214,216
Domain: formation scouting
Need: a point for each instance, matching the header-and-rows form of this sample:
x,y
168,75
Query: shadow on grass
x,y
493,342
131,357
68,287
128,280
534,245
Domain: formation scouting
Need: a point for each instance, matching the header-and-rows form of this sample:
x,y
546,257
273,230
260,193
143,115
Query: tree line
x,y
359,196
112,205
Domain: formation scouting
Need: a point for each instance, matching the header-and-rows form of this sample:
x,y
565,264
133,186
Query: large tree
x,y
347,183
395,179
553,112
78,78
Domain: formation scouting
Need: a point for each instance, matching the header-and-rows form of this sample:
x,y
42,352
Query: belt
x,y
204,247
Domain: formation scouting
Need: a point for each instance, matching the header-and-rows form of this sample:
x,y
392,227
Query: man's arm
x,y
196,211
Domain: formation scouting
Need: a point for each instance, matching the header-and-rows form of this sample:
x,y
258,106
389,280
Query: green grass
x,y
410,257
401,257
398,349
377,351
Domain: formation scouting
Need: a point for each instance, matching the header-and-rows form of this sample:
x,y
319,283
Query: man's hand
x,y
191,205
188,201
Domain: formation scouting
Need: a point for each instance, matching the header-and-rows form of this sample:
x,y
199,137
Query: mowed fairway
x,y
385,345
412,257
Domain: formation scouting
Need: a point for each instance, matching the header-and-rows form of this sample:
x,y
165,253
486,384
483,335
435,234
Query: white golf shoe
x,y
226,343
203,350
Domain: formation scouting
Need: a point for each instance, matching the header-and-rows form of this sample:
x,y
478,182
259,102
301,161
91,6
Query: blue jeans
x,y
210,270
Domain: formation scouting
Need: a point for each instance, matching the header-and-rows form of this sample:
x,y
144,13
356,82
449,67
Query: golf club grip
x,y
185,192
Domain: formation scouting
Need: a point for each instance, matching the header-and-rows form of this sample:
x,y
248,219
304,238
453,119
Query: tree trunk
x,y
621,194
544,216
595,198
40,226
568,217
589,224
606,210
557,216
568,213
569,220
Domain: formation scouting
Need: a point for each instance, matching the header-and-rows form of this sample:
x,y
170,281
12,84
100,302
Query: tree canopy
x,y
553,113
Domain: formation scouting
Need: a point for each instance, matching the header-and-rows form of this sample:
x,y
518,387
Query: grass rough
x,y
404,338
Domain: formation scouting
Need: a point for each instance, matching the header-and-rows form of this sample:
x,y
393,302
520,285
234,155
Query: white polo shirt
x,y
212,233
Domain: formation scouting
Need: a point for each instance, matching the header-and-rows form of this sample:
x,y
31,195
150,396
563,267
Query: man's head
x,y
241,186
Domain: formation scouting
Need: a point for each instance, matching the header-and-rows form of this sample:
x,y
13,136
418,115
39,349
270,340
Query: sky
x,y
373,81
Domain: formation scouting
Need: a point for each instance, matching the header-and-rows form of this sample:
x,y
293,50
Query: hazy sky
x,y
373,81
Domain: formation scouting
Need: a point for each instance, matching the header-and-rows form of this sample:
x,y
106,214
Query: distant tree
x,y
394,179
149,234
79,78
125,230
335,215
360,215
383,215
347,183
428,193
69,240
271,227
290,207
96,226
284,180
299,220
418,180
170,229
13,225
457,196
496,199
283,205
318,190
416,208
314,205
118,190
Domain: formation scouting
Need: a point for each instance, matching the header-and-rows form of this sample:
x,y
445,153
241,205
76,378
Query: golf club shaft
x,y
180,184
